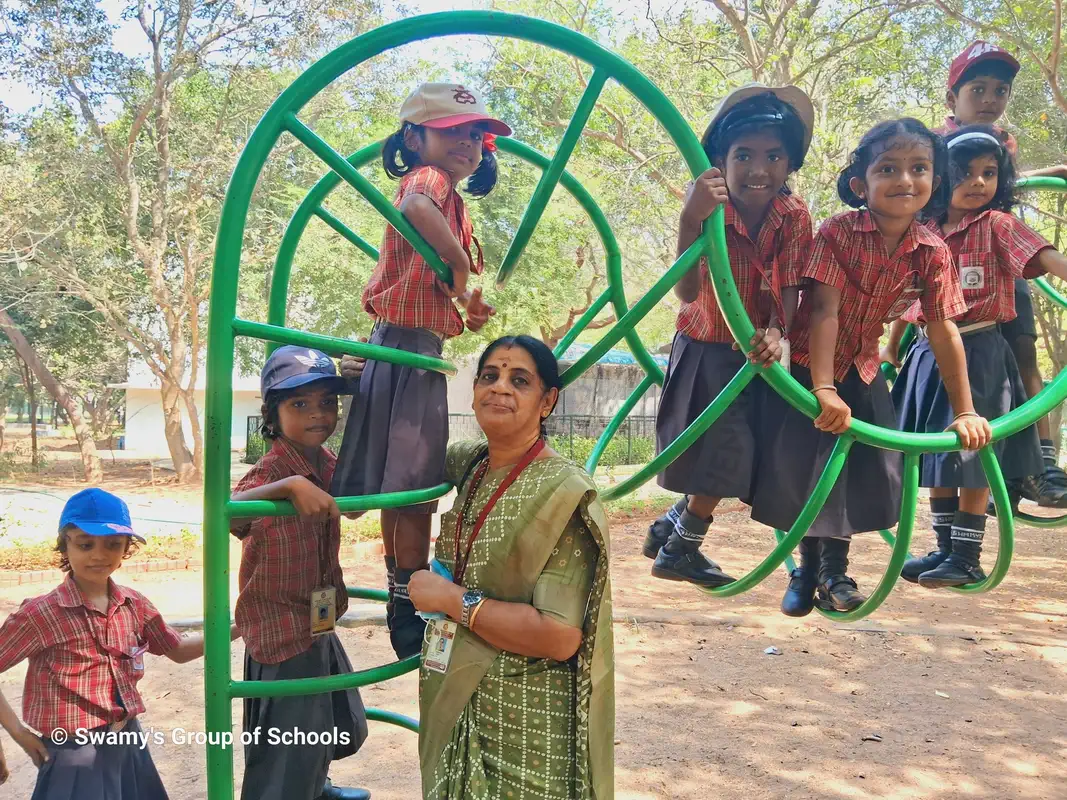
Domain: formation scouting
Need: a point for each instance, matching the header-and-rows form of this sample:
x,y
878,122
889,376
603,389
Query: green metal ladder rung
x,y
339,164
550,176
335,346
291,687
283,508
370,250
393,718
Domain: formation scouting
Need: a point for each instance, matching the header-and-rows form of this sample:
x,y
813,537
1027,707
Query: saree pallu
x,y
500,725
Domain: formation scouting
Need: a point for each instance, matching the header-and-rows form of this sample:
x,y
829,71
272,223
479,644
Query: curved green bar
x,y
1005,524
830,473
392,718
301,686
908,499
1041,522
1051,292
377,595
336,346
695,430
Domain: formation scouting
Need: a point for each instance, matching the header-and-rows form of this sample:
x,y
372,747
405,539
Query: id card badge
x,y
323,610
442,635
784,360
137,654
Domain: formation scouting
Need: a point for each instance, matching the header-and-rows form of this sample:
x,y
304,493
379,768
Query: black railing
x,y
574,436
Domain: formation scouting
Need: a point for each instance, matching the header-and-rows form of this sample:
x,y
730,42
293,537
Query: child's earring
x,y
858,187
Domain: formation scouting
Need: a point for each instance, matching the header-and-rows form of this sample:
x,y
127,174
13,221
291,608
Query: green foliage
x,y
619,452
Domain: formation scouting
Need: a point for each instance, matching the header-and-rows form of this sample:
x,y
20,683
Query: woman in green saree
x,y
516,688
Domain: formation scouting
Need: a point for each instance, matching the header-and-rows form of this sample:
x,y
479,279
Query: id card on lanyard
x,y
323,596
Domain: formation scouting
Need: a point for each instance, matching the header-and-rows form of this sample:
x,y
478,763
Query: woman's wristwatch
x,y
472,598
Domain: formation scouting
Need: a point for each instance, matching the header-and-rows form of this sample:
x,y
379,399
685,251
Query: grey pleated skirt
x,y
397,428
299,771
99,771
722,462
996,389
866,496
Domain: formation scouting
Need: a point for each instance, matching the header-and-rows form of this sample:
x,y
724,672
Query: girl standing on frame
x,y
756,140
866,268
397,429
992,249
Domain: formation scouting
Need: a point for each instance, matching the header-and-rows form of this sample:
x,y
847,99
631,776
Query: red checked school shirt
x,y
83,662
775,259
991,249
403,289
951,126
282,560
875,288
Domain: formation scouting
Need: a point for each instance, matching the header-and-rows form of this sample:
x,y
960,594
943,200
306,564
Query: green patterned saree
x,y
499,726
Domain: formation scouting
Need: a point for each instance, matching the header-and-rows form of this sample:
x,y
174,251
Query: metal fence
x,y
573,435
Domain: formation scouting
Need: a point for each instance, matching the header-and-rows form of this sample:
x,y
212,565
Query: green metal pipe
x,y
336,346
370,250
1051,292
637,312
1005,525
550,177
283,262
1041,522
584,320
355,179
294,687
367,502
378,595
616,421
695,430
830,473
392,718
908,500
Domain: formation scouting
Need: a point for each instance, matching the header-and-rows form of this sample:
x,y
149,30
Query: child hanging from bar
x,y
292,590
758,137
397,430
992,249
85,641
866,268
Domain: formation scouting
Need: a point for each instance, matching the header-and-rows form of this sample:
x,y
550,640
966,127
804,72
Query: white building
x,y
144,411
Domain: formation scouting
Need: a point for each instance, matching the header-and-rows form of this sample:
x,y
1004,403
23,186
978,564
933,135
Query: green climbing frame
x,y
225,327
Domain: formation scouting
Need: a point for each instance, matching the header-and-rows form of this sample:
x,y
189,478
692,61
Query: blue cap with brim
x,y
98,513
291,366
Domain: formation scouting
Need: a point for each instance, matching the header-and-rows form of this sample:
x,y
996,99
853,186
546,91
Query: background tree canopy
x,y
112,174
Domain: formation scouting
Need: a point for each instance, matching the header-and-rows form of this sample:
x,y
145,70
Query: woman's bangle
x,y
474,614
828,387
965,414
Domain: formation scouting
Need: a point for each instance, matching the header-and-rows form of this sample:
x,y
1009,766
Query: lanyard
x,y
460,567
114,652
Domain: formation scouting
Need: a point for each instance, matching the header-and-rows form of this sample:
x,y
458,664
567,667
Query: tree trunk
x,y
3,422
31,401
170,395
90,460
189,397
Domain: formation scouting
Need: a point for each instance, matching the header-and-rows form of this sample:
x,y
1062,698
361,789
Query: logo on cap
x,y
981,49
313,360
462,95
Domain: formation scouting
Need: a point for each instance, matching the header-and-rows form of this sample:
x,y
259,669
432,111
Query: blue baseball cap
x,y
98,513
291,366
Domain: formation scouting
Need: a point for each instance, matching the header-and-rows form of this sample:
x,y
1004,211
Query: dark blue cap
x,y
98,513
292,366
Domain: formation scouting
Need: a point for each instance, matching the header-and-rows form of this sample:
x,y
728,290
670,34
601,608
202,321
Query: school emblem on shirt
x,y
972,277
463,96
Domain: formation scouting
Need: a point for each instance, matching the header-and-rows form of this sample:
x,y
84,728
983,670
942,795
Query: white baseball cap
x,y
445,105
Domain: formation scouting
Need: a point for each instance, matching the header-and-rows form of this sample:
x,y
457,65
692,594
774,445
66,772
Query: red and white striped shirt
x,y
84,664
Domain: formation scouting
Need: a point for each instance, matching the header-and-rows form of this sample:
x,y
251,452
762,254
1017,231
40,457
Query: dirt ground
x,y
968,694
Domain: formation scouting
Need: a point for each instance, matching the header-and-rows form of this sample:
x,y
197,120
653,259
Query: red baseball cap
x,y
976,53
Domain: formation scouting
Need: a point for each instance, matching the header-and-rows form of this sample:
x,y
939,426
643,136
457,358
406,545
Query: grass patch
x,y
629,507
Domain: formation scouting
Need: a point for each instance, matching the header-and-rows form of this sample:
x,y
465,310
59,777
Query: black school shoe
x,y
799,597
679,560
331,792
954,571
406,629
914,567
660,530
836,591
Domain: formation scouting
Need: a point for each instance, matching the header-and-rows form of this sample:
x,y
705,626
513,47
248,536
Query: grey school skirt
x,y
722,462
397,429
298,771
866,496
99,771
996,389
